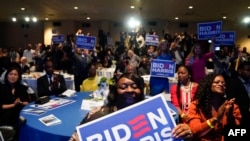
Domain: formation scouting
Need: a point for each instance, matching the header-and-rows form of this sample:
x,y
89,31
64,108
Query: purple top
x,y
198,66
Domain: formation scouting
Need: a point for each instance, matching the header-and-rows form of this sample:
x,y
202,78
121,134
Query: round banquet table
x,y
70,115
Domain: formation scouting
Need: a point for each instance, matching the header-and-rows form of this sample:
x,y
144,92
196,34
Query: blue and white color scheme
x,y
162,68
225,38
144,121
87,42
152,40
56,39
208,30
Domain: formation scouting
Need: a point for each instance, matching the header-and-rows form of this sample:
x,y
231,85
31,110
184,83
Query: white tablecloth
x,y
106,72
31,80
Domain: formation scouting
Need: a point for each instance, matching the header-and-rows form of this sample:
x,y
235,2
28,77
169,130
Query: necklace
x,y
186,97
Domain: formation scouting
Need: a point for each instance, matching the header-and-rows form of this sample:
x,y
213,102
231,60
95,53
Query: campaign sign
x,y
87,42
56,39
147,120
209,29
152,40
162,68
225,38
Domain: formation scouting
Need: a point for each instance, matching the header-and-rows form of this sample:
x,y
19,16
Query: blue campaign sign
x,y
208,30
162,68
225,38
87,42
152,40
56,39
147,120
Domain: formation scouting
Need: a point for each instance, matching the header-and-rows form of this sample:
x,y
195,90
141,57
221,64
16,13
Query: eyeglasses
x,y
126,85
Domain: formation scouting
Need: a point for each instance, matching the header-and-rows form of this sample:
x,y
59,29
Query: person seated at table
x,y
13,98
183,92
24,65
210,112
50,83
91,82
127,91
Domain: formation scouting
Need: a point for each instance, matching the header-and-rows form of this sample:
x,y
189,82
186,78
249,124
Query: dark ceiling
x,y
119,10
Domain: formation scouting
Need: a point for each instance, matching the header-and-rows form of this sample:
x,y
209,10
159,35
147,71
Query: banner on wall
x,y
87,42
57,39
208,30
225,38
162,68
152,40
147,120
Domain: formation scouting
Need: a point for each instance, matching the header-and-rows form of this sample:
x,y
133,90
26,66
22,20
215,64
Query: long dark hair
x,y
204,95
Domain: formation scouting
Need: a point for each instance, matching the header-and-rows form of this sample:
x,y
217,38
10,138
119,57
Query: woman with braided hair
x,y
210,111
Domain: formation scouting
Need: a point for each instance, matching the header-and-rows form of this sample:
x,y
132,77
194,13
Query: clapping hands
x,y
224,108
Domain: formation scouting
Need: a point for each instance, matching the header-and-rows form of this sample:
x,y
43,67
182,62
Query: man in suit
x,y
239,88
23,64
50,83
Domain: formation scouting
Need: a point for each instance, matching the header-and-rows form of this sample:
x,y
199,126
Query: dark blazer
x,y
25,69
43,86
236,89
10,116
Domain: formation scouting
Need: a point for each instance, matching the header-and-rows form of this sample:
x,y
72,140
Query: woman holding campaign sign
x,y
197,60
127,91
160,84
183,92
210,112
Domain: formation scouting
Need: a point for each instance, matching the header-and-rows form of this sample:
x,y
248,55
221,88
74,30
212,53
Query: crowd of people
x,y
206,103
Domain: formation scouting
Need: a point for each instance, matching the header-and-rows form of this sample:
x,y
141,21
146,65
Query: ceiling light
x,y
176,18
46,19
75,7
27,19
224,17
132,6
190,7
22,8
248,7
88,18
14,19
246,20
34,19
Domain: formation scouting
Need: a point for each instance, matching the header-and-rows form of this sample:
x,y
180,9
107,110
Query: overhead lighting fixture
x,y
46,19
246,20
176,18
14,19
132,6
27,19
190,7
75,7
248,7
224,17
88,18
34,19
22,8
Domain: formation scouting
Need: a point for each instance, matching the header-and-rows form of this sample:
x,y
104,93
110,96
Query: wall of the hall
x,y
19,34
